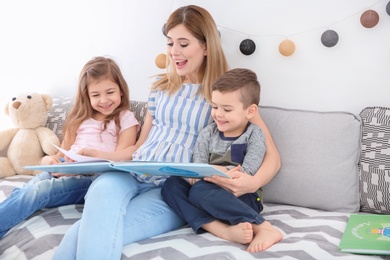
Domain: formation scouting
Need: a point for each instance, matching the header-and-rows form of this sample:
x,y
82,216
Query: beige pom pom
x,y
161,61
286,47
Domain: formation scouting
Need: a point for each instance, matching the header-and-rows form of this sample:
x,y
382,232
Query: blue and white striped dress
x,y
177,120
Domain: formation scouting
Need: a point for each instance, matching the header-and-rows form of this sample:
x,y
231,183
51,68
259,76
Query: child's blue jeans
x,y
43,191
205,202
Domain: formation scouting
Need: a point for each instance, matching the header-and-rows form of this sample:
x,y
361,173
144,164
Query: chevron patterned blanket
x,y
308,234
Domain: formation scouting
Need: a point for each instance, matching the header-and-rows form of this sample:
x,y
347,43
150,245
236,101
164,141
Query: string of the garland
x,y
329,38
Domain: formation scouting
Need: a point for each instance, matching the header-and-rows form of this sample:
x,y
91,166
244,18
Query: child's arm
x,y
201,151
255,150
244,183
54,159
125,152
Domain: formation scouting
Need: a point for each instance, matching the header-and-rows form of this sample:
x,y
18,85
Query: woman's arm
x,y
244,183
271,163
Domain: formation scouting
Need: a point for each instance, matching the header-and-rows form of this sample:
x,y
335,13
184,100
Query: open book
x,y
90,165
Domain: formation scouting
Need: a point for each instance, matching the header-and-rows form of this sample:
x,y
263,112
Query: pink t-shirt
x,y
89,134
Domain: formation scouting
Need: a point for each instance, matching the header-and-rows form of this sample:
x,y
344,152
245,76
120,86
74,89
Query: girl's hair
x,y
98,68
201,25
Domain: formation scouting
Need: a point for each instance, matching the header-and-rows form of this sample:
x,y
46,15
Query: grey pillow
x,y
375,160
320,154
57,114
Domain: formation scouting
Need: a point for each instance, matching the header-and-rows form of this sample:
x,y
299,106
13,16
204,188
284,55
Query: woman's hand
x,y
241,182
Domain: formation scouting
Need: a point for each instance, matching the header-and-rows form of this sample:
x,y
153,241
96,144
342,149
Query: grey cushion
x,y
320,154
375,160
62,105
57,114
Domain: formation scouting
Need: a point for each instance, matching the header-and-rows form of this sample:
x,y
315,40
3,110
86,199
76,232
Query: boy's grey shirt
x,y
247,150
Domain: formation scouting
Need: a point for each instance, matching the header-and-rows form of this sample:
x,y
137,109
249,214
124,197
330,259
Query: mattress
x,y
307,234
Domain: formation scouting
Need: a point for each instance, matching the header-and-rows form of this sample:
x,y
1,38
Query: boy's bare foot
x,y
241,233
265,236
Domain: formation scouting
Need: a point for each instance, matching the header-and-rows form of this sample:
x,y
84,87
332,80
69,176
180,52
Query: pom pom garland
x,y
388,8
286,47
247,47
329,38
369,18
161,61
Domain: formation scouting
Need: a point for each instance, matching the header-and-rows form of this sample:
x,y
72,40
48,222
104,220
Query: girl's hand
x,y
88,152
48,160
241,182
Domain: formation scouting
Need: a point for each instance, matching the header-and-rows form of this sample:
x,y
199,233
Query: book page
x,y
77,157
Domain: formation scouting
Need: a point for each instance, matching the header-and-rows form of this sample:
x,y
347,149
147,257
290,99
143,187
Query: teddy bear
x,y
30,140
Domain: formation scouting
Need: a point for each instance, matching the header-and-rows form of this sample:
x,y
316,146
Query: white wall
x,y
45,43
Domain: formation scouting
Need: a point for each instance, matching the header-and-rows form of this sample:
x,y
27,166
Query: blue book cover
x,y
90,165
190,170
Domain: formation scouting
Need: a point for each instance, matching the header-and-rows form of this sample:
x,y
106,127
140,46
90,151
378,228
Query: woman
x,y
122,208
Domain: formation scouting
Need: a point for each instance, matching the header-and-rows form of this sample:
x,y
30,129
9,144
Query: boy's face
x,y
228,113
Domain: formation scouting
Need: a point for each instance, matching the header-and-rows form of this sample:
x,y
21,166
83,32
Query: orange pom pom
x,y
286,47
161,61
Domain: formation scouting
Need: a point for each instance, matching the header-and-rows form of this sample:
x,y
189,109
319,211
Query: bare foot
x,y
265,236
241,233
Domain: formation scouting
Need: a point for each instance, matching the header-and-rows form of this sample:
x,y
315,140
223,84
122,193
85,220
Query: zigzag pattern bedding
x,y
308,234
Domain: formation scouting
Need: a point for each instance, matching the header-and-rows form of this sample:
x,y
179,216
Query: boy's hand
x,y
240,183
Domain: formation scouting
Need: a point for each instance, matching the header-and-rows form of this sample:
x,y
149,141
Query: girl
x,y
100,119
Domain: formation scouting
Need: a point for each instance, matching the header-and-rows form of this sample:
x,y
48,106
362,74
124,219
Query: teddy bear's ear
x,y
48,100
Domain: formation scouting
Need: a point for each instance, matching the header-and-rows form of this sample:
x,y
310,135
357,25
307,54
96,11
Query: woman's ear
x,y
252,110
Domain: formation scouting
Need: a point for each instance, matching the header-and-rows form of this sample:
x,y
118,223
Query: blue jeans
x,y
205,202
118,210
43,191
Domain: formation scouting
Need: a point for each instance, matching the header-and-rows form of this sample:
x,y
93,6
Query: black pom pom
x,y
247,47
163,30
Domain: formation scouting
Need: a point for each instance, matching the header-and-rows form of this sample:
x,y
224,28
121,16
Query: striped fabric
x,y
178,118
375,160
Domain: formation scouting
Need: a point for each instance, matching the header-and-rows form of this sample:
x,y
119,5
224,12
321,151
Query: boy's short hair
x,y
241,79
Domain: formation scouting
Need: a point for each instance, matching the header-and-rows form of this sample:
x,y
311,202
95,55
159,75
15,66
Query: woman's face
x,y
186,52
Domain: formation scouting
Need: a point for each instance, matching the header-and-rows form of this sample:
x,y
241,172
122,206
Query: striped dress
x,y
177,120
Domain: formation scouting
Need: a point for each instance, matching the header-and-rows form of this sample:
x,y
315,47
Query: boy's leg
x,y
265,235
175,193
224,206
43,191
240,212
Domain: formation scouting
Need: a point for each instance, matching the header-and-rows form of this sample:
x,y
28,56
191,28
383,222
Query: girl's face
x,y
229,114
105,96
186,52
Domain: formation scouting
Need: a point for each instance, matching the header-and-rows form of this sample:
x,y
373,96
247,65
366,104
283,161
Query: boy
x,y
229,142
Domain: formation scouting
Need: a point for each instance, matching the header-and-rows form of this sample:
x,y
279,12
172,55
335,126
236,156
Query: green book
x,y
367,234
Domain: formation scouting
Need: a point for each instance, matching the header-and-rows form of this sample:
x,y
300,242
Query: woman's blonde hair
x,y
98,68
201,25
